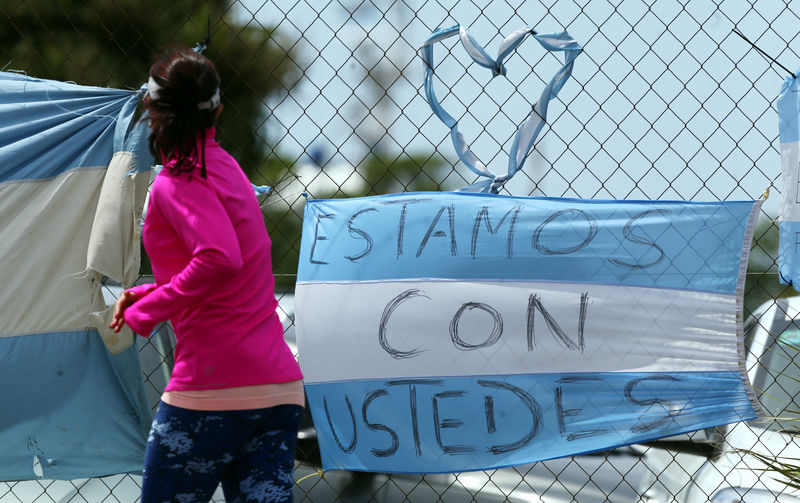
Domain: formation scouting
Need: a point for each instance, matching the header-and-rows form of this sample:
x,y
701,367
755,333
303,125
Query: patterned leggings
x,y
189,452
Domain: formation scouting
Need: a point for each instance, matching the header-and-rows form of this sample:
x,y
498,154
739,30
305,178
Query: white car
x,y
730,474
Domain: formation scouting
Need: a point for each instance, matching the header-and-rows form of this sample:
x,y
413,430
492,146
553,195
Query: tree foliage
x,y
113,44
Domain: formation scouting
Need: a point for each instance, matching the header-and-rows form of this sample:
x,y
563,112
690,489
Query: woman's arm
x,y
194,211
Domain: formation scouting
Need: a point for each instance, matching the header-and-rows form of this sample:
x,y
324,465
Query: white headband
x,y
152,88
211,103
153,91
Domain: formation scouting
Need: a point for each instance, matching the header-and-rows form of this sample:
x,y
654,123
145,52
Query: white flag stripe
x,y
442,328
46,225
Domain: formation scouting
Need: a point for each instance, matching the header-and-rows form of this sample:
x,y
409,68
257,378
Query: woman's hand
x,y
123,302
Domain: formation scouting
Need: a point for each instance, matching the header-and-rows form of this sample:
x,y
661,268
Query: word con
x,y
534,305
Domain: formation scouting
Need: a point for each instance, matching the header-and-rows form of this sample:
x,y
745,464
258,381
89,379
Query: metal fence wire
x,y
325,98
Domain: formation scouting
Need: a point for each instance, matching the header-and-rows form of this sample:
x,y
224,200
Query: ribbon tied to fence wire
x,y
533,124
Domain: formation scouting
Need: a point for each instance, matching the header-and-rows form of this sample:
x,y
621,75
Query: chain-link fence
x,y
325,98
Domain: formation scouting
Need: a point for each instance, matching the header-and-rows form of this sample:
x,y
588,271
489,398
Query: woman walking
x,y
234,400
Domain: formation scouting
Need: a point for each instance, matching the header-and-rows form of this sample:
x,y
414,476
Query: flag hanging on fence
x,y
789,133
443,332
72,175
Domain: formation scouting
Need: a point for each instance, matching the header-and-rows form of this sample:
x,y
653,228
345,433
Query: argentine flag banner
x,y
73,400
445,332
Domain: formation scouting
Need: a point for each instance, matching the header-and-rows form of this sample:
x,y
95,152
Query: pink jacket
x,y
210,254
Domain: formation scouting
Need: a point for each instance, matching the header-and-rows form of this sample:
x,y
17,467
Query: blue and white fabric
x,y
789,133
443,332
72,178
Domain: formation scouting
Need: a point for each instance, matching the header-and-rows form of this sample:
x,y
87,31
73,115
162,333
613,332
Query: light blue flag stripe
x,y
464,236
789,253
458,424
789,111
58,389
50,127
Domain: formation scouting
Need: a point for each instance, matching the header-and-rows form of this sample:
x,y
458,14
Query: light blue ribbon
x,y
262,190
530,129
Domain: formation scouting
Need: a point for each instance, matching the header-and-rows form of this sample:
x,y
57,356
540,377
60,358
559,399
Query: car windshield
x,y
777,376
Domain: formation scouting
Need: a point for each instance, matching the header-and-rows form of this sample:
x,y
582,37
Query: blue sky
x,y
665,101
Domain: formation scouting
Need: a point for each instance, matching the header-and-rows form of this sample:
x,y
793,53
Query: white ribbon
x,y
153,90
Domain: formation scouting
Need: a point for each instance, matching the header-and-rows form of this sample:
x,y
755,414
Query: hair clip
x,y
210,104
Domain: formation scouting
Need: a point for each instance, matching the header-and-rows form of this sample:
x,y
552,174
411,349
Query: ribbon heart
x,y
533,124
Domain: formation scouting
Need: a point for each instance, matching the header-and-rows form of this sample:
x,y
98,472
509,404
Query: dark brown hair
x,y
186,78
